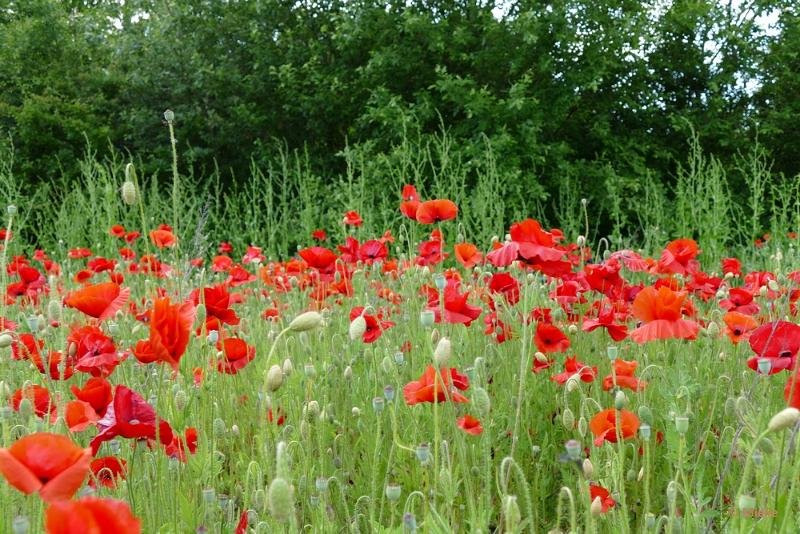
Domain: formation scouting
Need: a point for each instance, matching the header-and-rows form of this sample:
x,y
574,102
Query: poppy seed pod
x,y
357,328
393,492
280,501
274,378
442,353
588,468
427,318
786,418
306,321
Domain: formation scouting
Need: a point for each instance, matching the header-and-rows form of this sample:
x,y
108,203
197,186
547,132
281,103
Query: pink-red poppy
x,y
447,384
470,425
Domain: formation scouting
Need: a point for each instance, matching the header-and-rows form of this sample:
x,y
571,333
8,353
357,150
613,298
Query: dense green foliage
x,y
560,100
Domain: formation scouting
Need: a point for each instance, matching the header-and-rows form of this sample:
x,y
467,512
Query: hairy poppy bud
x,y
620,400
672,491
573,383
588,468
480,398
288,368
645,414
582,426
5,340
21,524
306,321
357,327
281,505
786,418
511,513
54,311
441,355
435,336
387,364
762,291
274,378
773,285
348,373
219,427
712,330
180,400
540,357
260,499
580,241
640,476
25,408
128,192
568,419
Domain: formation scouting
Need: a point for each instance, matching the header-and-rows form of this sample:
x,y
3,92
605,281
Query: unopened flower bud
x,y
357,327
582,426
441,355
773,285
54,311
572,383
274,378
588,468
169,115
288,368
786,418
568,419
597,506
128,193
180,400
5,340
306,321
348,373
620,400
712,329
480,398
219,427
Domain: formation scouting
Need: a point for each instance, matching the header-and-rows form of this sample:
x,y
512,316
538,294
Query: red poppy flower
x,y
352,218
660,310
430,253
422,390
217,301
470,425
236,354
96,392
281,416
679,256
176,447
410,203
605,319
95,352
253,254
534,243
732,266
506,285
162,238
739,326
241,526
433,211
604,426
79,415
779,341
129,416
225,248
467,255
50,464
740,300
549,338
573,367
117,231
319,235
91,515
170,327
221,264
624,376
107,471
100,301
791,392
606,501
78,253
131,237
39,396
456,309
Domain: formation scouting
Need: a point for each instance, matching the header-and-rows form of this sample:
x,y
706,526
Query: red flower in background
x,y
600,492
604,426
50,464
433,211
573,367
679,256
236,354
352,218
375,324
107,471
410,203
163,237
467,255
605,319
95,352
470,425
456,309
39,397
739,326
623,370
778,341
96,392
506,285
91,515
319,235
99,301
447,385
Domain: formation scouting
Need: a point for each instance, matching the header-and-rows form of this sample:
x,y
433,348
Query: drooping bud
x,y
511,513
274,378
348,373
786,418
588,468
441,355
306,321
597,506
568,419
480,398
357,327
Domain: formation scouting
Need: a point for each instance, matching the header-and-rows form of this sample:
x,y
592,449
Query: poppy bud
x,y
540,357
650,520
762,291
5,340
568,419
773,285
597,506
758,457
348,373
281,459
357,327
128,193
573,383
620,401
321,484
25,409
441,355
435,336
766,445
511,513
588,468
581,241
445,480
11,209
219,427
212,337
274,378
786,418
573,329
306,321
582,426
640,476
312,409
480,398
713,329
260,499
387,365
180,400
393,492
427,318
281,505
356,411
630,476
54,311
399,357
672,491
